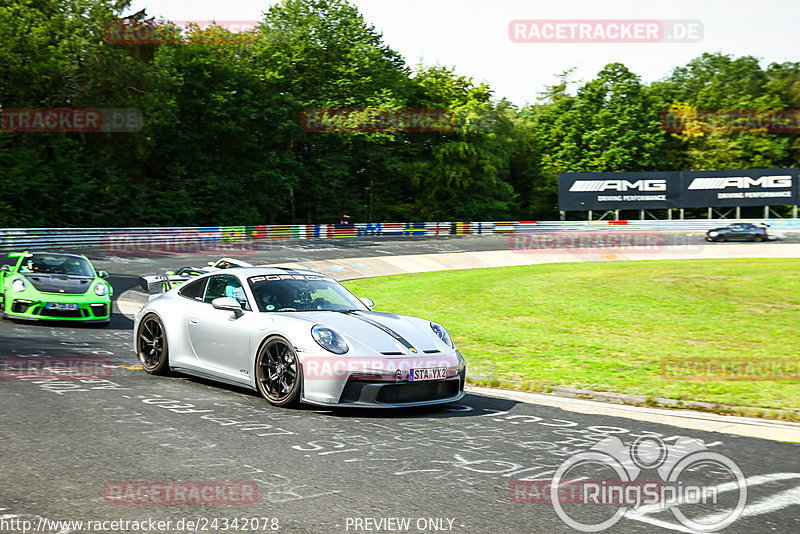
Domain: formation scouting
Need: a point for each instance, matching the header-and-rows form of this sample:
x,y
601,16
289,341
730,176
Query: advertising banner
x,y
751,187
600,191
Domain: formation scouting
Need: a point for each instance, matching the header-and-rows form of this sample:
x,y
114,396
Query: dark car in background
x,y
738,232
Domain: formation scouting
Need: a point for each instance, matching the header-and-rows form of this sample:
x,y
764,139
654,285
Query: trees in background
x,y
223,142
721,82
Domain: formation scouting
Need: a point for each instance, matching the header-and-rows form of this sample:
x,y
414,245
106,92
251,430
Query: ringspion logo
x,y
704,490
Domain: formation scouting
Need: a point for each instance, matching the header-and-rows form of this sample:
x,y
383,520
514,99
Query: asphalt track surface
x,y
448,469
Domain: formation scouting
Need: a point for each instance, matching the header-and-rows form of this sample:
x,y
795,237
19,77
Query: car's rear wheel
x,y
758,238
151,346
278,372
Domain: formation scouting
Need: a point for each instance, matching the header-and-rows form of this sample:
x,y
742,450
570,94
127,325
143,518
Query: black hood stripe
x,y
397,337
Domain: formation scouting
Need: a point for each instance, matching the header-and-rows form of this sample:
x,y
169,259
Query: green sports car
x,y
54,286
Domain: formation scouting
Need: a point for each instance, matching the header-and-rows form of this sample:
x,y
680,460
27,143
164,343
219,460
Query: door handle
x,y
192,320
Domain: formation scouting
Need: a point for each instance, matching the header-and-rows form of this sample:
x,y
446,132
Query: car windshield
x,y
56,264
293,292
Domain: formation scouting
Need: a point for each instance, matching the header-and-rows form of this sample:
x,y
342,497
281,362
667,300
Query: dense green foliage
x,y
222,141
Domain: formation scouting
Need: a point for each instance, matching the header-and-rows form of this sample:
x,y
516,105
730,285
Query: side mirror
x,y
102,274
367,302
211,263
228,304
5,267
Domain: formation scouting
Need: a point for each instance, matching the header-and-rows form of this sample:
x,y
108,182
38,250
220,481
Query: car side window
x,y
225,285
194,290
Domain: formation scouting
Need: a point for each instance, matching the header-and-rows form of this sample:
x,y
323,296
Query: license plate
x,y
430,373
61,306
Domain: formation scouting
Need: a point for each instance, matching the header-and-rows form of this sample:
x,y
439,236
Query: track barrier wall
x,y
240,238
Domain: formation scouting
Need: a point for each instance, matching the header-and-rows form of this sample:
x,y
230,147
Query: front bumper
x,y
398,394
16,307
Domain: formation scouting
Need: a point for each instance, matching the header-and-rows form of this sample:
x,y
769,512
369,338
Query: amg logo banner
x,y
741,187
583,191
742,182
580,191
618,185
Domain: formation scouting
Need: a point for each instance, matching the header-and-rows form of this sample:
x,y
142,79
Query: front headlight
x,y
713,234
19,285
442,334
462,362
329,339
100,289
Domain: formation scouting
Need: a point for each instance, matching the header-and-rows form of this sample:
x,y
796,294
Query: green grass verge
x,y
609,326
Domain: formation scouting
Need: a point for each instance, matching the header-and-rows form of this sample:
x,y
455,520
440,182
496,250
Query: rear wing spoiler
x,y
161,283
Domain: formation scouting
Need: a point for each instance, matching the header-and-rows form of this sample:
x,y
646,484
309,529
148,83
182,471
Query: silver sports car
x,y
297,336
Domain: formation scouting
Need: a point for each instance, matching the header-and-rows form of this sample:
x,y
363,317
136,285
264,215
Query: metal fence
x,y
186,239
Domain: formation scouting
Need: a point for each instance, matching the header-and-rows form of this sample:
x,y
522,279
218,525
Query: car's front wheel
x,y
151,346
719,238
278,372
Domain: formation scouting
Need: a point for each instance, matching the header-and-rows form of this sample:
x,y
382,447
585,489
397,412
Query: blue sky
x,y
472,35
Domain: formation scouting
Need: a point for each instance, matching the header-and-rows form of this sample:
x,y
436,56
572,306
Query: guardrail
x,y
186,239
